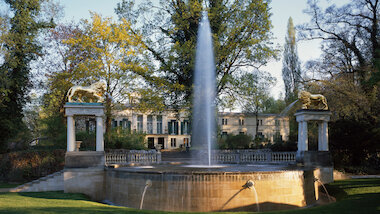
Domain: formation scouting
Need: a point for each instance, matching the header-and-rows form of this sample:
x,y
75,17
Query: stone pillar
x,y
145,123
165,128
70,133
323,144
99,134
154,126
302,136
179,127
305,136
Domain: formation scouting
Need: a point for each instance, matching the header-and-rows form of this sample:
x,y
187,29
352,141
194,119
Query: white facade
x,y
271,126
167,130
171,130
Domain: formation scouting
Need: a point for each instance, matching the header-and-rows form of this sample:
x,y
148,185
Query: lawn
x,y
354,196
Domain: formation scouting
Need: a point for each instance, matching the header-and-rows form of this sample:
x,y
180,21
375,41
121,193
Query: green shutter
x,y
182,130
176,128
169,128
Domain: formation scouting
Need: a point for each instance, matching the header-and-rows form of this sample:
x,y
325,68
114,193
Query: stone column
x,y
154,126
179,127
70,133
99,134
304,136
300,141
323,144
145,123
320,136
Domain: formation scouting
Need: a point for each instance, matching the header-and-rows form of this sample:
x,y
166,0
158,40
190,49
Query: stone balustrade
x,y
219,156
132,156
252,156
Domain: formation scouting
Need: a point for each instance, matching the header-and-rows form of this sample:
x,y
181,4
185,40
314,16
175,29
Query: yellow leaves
x,y
102,46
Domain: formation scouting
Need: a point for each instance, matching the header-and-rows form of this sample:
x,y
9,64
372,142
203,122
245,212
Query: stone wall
x,y
204,192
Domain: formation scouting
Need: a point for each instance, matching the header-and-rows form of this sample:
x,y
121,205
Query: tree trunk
x,y
108,118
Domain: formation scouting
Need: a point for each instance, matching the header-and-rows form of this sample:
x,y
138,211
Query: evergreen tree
x,y
291,70
21,48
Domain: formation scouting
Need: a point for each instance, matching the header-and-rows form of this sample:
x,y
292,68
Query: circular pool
x,y
200,189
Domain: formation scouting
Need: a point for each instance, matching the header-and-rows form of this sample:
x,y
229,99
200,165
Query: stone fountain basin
x,y
179,188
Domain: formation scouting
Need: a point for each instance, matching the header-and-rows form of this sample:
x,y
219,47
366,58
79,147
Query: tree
x,y
350,36
253,90
106,50
291,70
241,35
348,75
20,47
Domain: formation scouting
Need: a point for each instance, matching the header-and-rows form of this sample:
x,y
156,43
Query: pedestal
x,y
320,159
84,170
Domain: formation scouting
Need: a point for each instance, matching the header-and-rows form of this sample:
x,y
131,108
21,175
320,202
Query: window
x,y
173,142
185,127
260,122
173,127
149,124
126,124
241,122
186,142
224,121
241,133
159,124
114,123
277,123
277,137
224,133
139,123
260,135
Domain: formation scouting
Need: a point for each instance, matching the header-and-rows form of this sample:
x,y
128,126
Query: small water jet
x,y
148,183
287,108
327,193
251,185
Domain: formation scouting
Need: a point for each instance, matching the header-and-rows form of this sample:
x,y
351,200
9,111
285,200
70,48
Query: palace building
x,y
171,130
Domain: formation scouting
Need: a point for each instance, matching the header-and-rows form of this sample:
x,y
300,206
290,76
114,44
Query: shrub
x,y
88,140
26,166
283,146
240,141
120,138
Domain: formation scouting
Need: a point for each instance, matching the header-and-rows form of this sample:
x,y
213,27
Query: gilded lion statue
x,y
92,92
313,101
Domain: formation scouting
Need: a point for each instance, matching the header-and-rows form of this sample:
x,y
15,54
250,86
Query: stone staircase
x,y
52,182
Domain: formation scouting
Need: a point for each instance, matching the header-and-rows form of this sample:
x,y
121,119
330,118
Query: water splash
x,y
287,108
203,132
148,183
248,185
251,185
327,193
257,198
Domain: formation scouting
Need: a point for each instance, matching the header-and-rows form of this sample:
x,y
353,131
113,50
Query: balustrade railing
x,y
132,156
251,156
218,156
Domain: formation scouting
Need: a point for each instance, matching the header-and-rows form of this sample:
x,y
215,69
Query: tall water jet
x,y
203,132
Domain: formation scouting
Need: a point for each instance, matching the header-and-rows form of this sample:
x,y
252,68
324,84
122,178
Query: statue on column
x,y
92,93
313,101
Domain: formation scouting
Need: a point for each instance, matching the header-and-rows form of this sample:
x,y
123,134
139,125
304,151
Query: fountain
x,y
203,132
205,187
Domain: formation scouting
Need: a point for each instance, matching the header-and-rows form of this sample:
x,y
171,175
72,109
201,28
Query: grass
x,y
354,196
